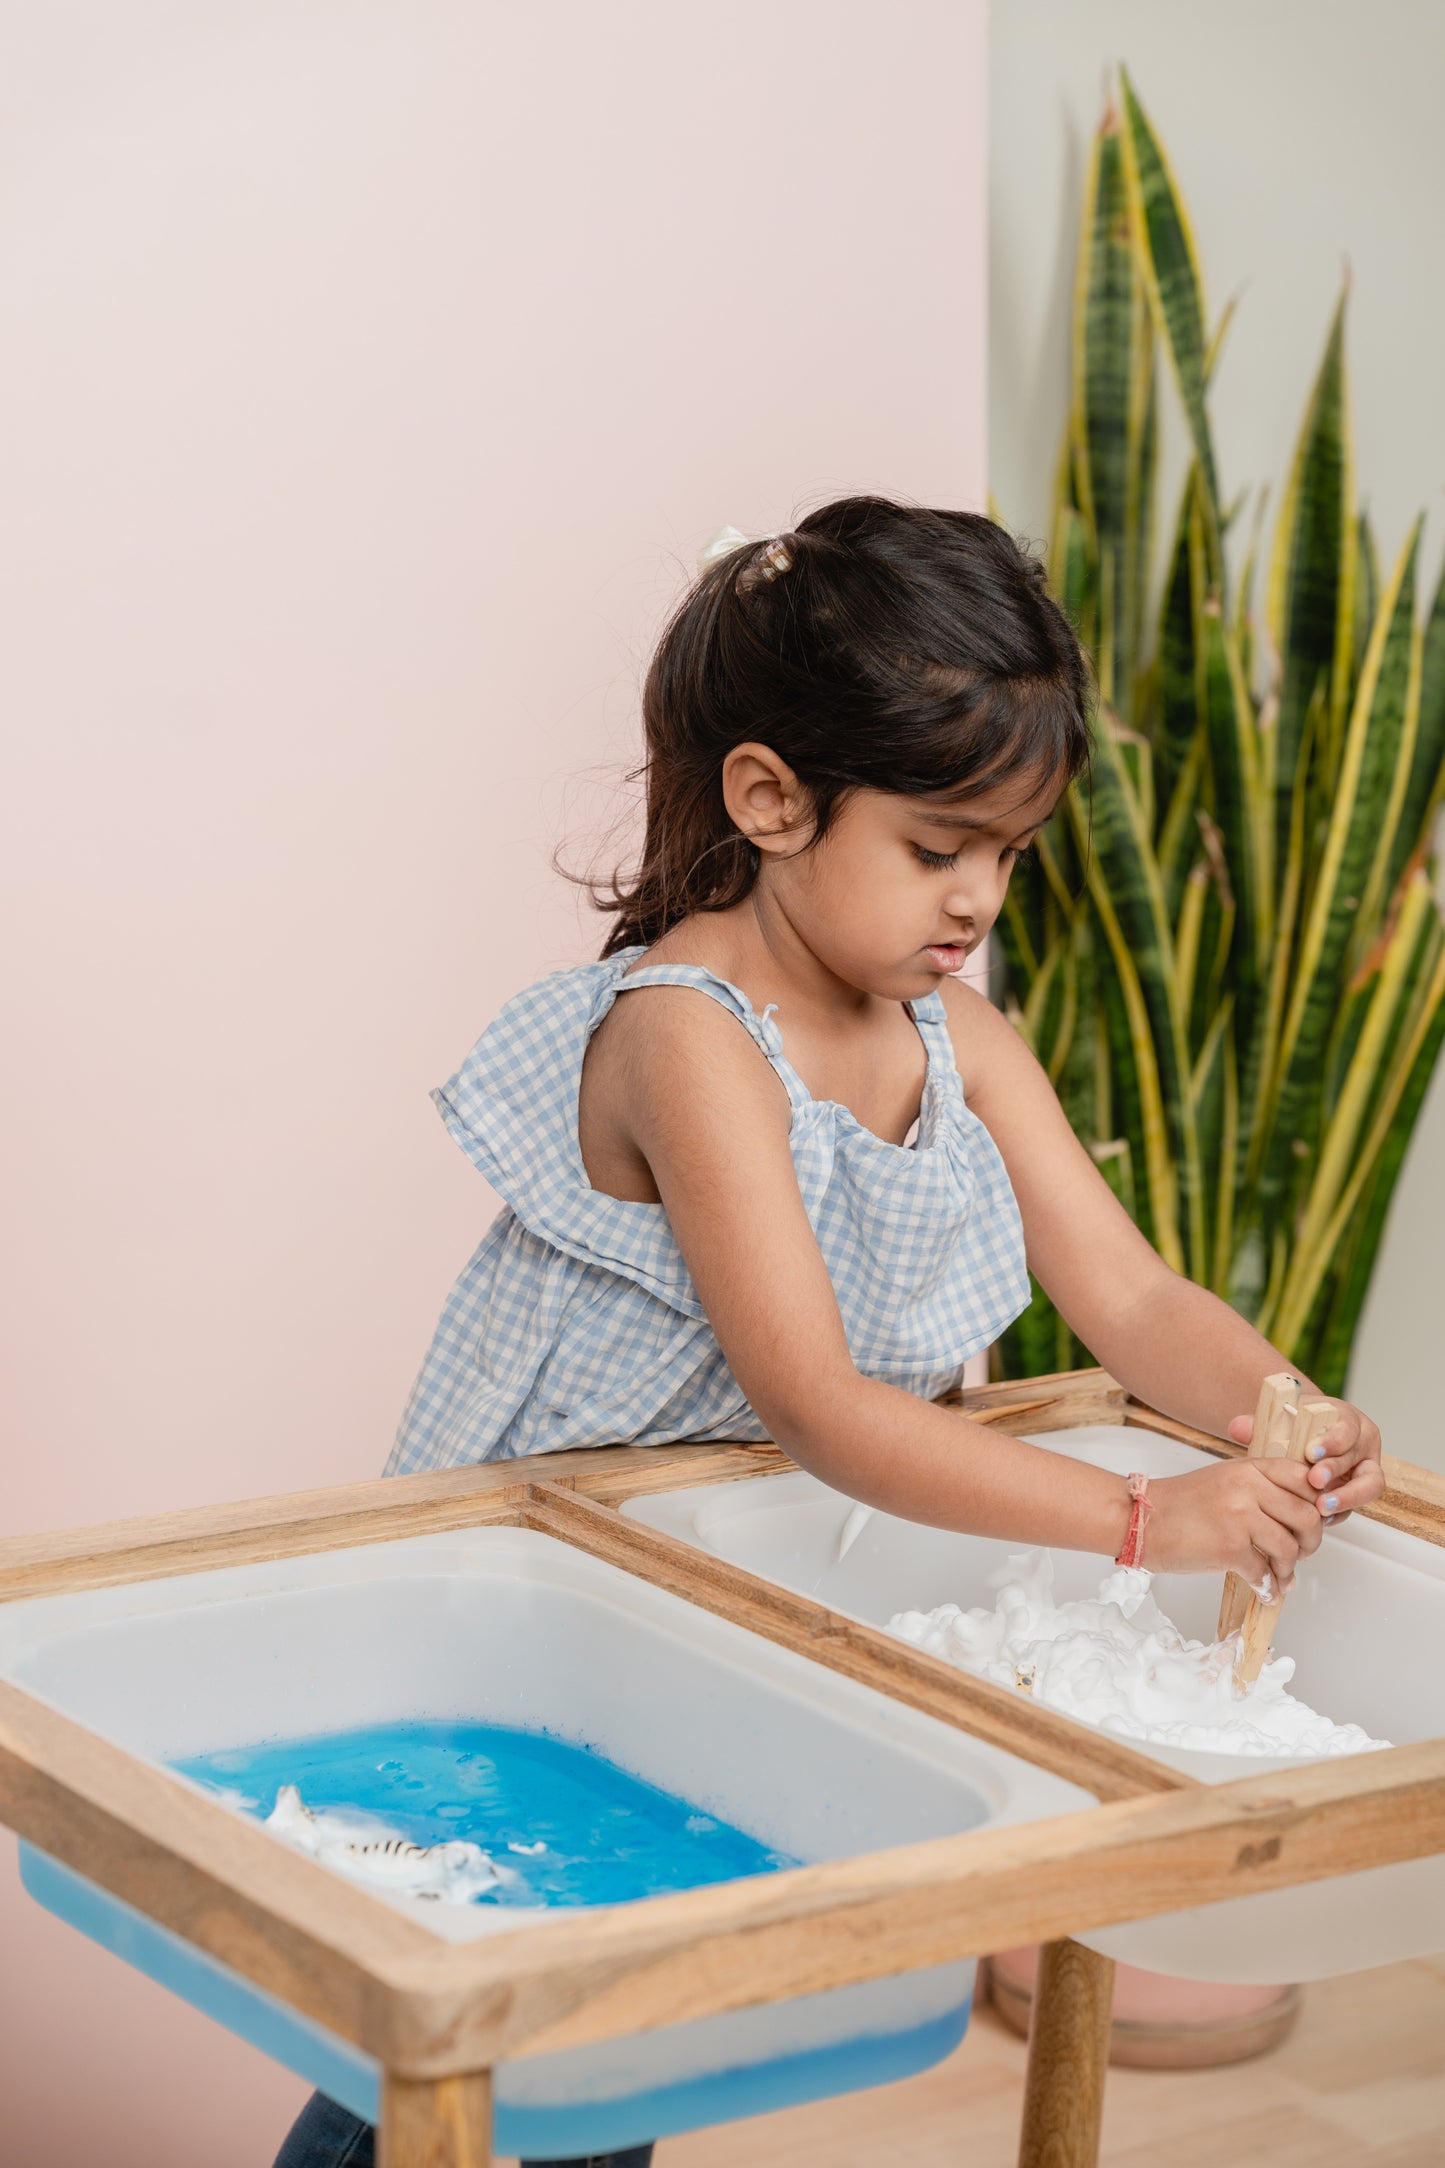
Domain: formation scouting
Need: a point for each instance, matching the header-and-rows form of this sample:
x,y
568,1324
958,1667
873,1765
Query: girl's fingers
x,y
1277,1542
1352,1439
1334,1451
1269,1552
1294,1507
1361,1489
1285,1478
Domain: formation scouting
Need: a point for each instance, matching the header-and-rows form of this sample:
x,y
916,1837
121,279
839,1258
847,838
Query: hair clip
x,y
776,557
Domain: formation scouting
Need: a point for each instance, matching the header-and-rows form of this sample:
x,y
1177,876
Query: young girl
x,y
799,1175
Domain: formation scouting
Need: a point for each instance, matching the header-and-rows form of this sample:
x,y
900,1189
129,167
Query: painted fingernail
x,y
1330,1504
1315,1451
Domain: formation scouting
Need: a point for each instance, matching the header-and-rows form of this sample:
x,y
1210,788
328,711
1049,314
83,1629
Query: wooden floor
x,y
1361,2081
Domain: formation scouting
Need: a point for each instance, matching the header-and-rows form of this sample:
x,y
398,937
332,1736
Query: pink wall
x,y
372,373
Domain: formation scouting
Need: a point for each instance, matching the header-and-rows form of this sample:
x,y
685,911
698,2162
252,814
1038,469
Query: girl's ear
x,y
764,797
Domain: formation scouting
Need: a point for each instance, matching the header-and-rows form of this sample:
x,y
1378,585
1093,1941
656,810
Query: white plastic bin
x,y
501,1625
1365,1624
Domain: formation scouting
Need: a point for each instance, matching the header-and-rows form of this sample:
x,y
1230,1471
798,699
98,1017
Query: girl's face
x,y
901,890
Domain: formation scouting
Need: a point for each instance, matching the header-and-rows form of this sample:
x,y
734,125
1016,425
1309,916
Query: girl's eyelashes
x,y
1010,855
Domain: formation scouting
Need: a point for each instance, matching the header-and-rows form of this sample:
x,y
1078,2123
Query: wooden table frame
x,y
437,2017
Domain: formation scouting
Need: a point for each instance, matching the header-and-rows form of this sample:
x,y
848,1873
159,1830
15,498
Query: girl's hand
x,y
1345,1467
1239,1515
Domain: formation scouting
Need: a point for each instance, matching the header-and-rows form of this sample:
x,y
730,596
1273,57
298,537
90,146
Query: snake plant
x,y
1227,951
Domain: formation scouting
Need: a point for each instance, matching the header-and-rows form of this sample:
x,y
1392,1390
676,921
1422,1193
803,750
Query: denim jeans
x,y
326,2136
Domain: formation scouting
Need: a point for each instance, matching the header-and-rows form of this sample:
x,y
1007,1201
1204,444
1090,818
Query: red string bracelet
x,y
1133,1551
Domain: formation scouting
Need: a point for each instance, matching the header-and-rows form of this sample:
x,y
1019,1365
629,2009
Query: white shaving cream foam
x,y
1116,1661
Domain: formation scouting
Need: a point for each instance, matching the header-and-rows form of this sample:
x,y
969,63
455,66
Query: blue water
x,y
606,1836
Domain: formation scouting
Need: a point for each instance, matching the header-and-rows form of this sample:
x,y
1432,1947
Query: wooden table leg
x,y
436,2122
1068,2055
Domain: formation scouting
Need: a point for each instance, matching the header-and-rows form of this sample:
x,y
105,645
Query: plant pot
x,y
1161,2023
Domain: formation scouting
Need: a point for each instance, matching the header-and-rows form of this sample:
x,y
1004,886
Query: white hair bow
x,y
722,544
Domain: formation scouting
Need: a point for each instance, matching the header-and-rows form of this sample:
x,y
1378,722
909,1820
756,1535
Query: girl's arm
x,y
711,1117
1173,1344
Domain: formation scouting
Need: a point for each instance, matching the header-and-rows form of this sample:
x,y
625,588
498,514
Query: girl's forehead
x,y
1020,802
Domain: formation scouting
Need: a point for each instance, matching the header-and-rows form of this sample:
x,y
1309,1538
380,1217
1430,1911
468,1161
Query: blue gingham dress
x,y
576,1322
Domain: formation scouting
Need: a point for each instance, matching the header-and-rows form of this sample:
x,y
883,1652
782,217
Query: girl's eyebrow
x,y
959,820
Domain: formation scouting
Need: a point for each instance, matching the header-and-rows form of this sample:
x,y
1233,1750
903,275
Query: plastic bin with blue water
x,y
509,1627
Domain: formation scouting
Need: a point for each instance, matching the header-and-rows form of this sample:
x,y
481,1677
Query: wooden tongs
x,y
1284,1429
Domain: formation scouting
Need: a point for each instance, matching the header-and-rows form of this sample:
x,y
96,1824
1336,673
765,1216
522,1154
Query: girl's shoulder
x,y
987,1049
524,1070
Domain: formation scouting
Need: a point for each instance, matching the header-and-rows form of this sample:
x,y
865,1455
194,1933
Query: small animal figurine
x,y
451,1873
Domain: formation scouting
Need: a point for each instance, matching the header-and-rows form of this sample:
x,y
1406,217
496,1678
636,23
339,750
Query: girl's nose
x,y
973,902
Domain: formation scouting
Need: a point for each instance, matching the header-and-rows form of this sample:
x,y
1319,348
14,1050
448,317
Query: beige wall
x,y
372,373
1300,143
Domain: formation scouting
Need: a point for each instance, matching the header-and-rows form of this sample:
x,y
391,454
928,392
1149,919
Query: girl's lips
x,y
950,958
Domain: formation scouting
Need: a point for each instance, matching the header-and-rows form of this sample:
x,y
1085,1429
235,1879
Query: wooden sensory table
x,y
437,2017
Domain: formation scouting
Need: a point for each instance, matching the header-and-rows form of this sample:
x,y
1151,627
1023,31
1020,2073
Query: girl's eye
x,y
1015,857
936,858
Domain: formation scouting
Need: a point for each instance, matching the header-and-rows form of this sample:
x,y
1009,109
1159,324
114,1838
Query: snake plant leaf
x,y
1244,621
1073,571
1019,927
1334,1332
1347,1160
1217,338
1170,266
1189,933
1028,1018
1178,707
1251,1263
1361,801
1310,606
1104,317
1425,789
1215,1110
1179,833
1217,940
1228,717
1378,886
1139,514
1072,1067
1127,1098
1406,957
1135,752
1403,1020
1225,1164
1051,1011
1366,595
1124,884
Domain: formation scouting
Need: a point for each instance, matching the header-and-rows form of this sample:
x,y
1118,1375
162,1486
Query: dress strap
x,y
931,1017
761,1029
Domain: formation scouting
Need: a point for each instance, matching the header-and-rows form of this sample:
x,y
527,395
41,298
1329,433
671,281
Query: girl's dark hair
x,y
882,646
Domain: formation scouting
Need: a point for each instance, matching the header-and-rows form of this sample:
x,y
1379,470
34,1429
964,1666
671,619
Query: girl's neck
x,y
757,947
